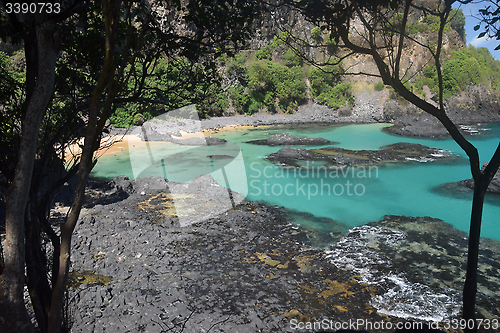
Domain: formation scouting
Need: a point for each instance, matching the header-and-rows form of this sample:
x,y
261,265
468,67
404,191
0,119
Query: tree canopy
x,y
82,63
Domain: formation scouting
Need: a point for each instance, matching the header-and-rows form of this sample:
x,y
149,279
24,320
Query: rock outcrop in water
x,y
420,264
283,139
334,156
494,186
475,105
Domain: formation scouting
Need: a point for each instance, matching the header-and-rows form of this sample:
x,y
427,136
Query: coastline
x,y
474,106
237,271
136,269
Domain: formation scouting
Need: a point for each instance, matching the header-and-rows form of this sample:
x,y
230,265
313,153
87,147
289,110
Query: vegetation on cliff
x,y
464,67
275,78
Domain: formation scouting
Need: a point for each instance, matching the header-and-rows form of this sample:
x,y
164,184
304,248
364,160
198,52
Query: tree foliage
x,y
269,85
488,20
327,88
81,64
468,66
172,84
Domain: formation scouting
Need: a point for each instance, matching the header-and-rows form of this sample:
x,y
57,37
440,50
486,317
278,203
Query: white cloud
x,y
478,42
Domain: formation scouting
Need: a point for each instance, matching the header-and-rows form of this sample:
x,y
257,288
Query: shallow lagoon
x,y
352,197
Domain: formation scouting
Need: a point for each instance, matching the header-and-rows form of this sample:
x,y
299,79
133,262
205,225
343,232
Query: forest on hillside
x,y
273,78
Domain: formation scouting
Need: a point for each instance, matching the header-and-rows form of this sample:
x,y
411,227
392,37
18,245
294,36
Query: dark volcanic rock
x,y
397,152
420,264
198,141
245,270
475,105
283,139
494,186
220,157
248,270
295,153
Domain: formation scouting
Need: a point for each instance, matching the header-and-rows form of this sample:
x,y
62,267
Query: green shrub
x,y
316,35
122,118
327,88
264,53
292,59
270,85
379,86
138,119
466,66
239,98
337,96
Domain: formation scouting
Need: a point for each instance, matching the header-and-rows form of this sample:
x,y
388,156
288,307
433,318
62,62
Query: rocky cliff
x,y
477,103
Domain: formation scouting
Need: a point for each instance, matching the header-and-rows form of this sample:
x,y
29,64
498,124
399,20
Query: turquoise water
x,y
351,196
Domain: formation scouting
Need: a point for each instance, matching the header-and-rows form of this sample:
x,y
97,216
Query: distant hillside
x,y
287,44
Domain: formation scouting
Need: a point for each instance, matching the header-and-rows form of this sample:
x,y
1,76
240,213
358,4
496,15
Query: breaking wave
x,y
361,251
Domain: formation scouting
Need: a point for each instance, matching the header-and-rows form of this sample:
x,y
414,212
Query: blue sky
x,y
471,10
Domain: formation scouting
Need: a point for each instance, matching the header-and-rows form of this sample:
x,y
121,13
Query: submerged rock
x,y
283,139
419,263
397,152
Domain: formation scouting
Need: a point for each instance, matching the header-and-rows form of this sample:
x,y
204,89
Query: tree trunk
x,y
481,183
14,316
111,11
470,286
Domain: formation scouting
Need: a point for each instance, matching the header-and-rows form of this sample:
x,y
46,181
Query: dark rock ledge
x,y
397,152
464,189
250,269
494,186
157,132
475,105
283,139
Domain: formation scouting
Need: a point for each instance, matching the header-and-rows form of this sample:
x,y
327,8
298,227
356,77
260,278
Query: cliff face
x,y
415,55
475,104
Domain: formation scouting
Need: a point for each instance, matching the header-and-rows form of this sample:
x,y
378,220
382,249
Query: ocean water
x,y
351,196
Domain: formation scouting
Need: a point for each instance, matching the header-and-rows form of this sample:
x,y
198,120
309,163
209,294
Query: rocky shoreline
x,y
250,268
476,105
167,130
